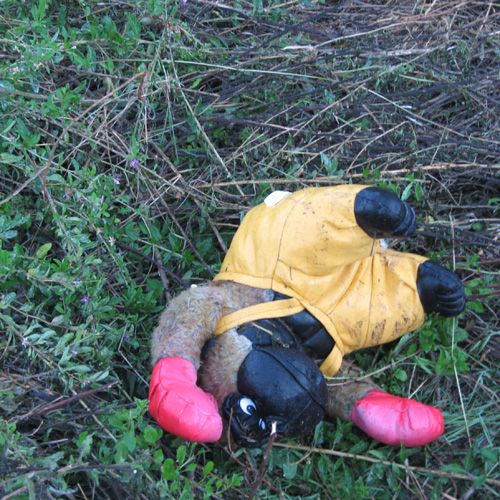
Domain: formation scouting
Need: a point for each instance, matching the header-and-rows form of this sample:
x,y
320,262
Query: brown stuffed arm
x,y
190,318
175,400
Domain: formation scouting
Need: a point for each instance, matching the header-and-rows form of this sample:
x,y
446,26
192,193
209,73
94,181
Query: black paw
x,y
440,290
381,213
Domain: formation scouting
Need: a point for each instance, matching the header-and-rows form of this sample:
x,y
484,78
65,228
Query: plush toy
x,y
306,281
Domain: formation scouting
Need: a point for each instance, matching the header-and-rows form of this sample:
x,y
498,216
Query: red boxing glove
x,y
179,406
393,420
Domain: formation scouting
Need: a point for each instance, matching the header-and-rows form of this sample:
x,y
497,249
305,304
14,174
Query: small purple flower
x,y
184,2
74,351
126,337
134,163
76,282
85,299
302,6
116,180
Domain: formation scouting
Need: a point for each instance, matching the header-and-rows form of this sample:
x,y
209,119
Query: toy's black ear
x,y
286,386
381,213
440,290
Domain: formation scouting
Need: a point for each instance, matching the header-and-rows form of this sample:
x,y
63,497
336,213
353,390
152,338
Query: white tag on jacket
x,y
274,198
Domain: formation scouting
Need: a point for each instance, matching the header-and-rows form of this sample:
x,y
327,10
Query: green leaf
x,y
43,251
491,454
181,454
455,468
443,364
8,158
130,440
4,303
475,306
152,434
330,165
289,470
196,83
85,443
480,480
169,471
7,225
42,6
426,339
158,456
406,193
155,234
348,477
378,454
208,469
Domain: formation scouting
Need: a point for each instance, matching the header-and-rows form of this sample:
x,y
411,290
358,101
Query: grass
x,y
134,136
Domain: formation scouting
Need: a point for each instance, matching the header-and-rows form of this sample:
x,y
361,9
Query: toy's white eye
x,y
262,424
247,406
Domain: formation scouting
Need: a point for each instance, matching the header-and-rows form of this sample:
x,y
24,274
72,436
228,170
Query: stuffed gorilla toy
x,y
306,281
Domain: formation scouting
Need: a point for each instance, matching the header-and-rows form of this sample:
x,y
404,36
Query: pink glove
x,y
179,406
393,420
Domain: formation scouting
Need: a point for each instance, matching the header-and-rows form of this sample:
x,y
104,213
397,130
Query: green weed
x,y
133,138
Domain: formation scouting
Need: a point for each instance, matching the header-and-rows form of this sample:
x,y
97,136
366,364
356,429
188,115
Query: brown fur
x,y
190,320
344,390
219,372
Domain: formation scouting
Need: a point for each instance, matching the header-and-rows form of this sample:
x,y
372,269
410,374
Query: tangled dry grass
x,y
134,136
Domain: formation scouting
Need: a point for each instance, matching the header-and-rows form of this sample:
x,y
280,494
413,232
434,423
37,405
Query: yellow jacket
x,y
309,247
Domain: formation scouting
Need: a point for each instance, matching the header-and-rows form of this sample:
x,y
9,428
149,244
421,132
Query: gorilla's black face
x,y
277,385
249,427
